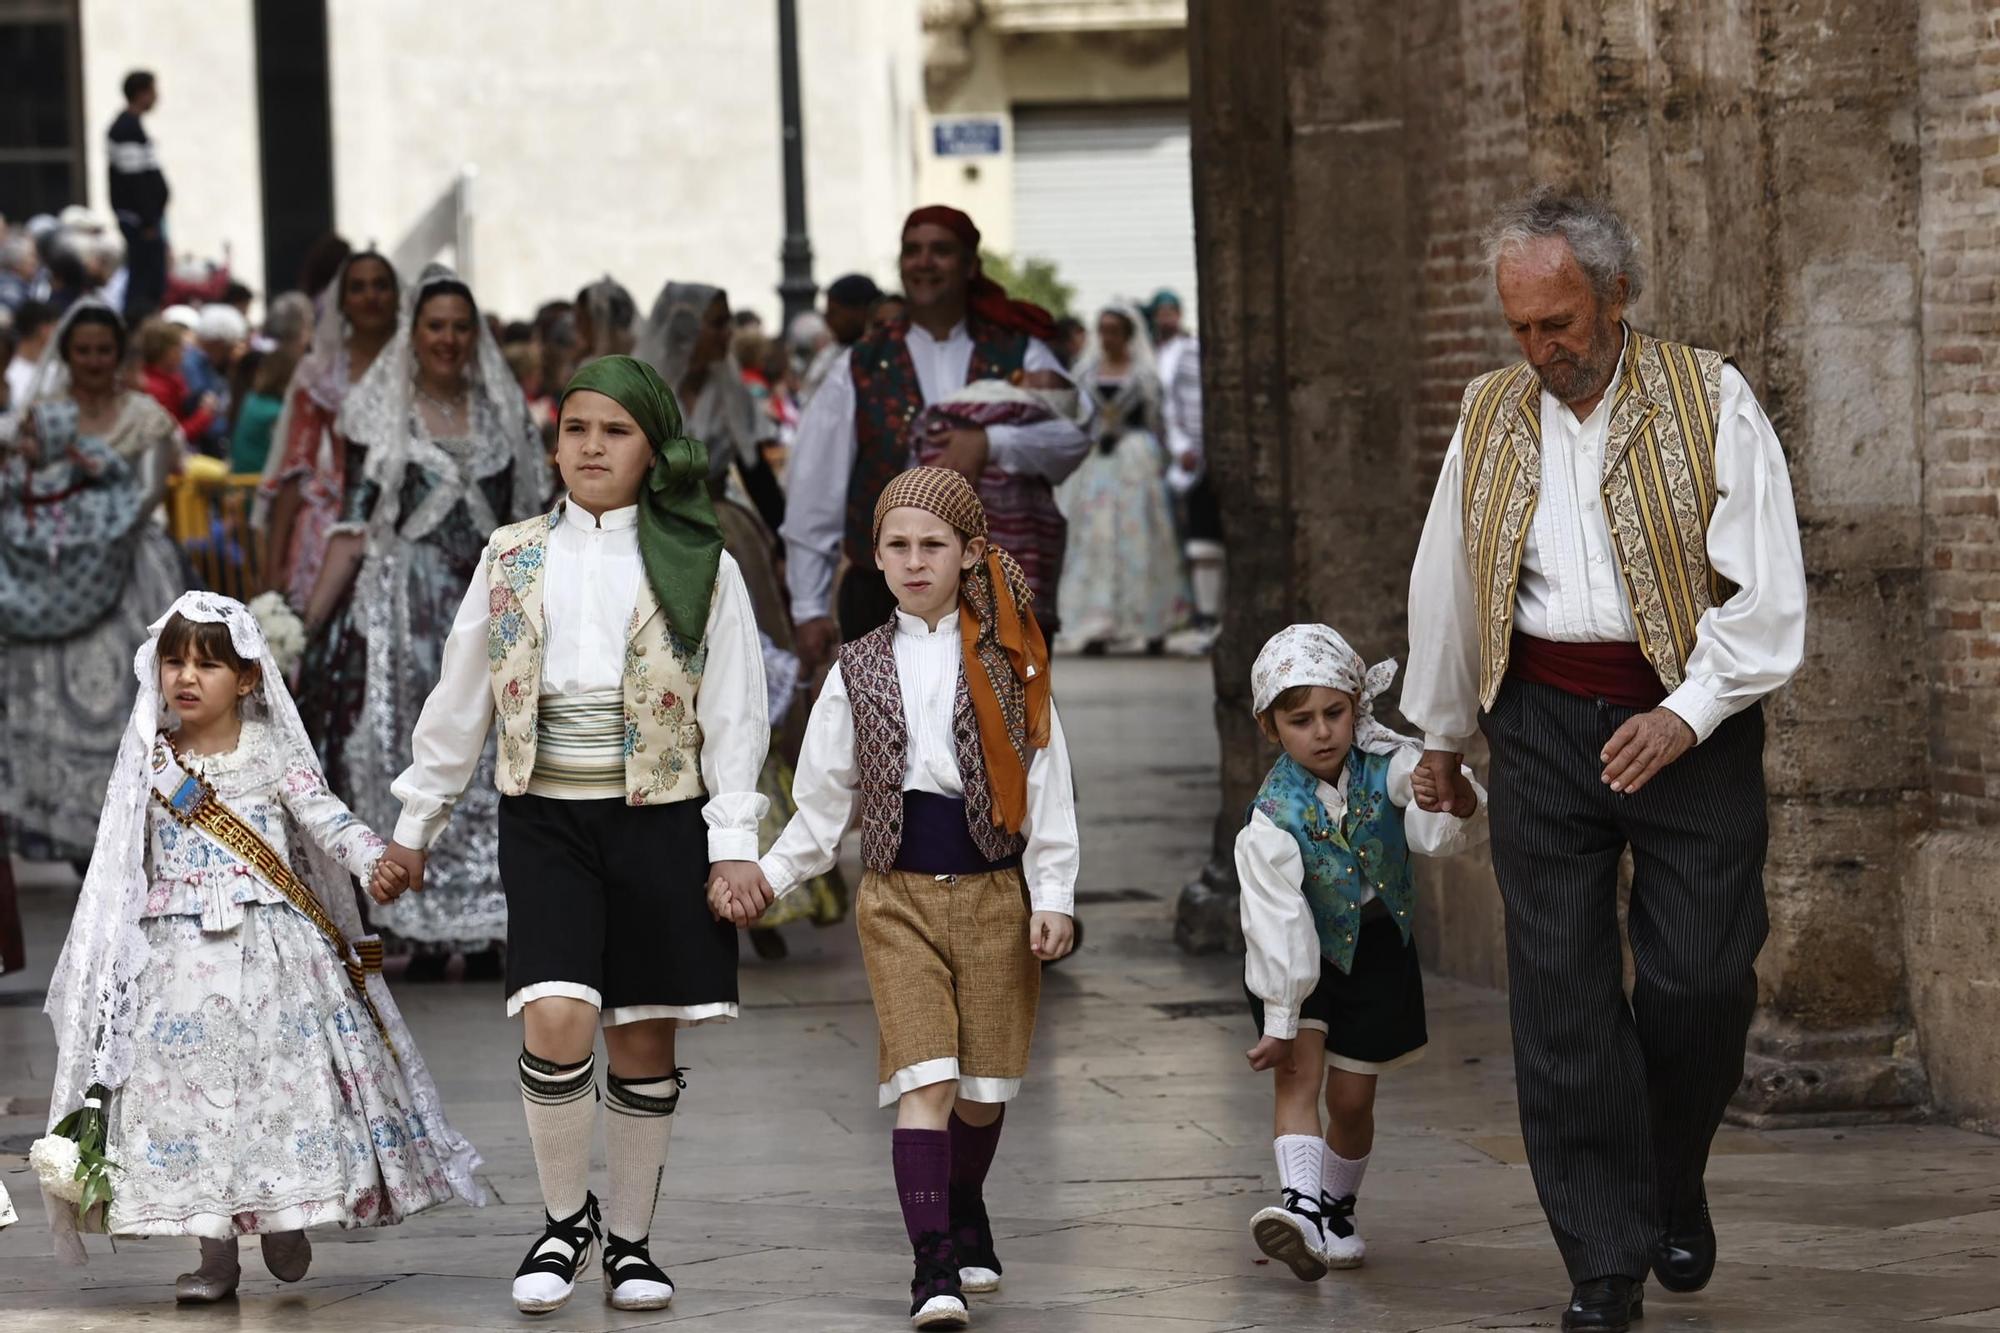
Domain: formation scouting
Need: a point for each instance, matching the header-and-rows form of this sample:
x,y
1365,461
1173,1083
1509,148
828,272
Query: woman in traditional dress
x,y
83,569
304,474
687,339
1122,581
440,451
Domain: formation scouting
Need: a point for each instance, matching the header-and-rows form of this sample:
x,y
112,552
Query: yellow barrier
x,y
208,513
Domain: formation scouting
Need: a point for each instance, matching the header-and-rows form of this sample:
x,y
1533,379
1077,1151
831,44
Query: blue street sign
x,y
966,138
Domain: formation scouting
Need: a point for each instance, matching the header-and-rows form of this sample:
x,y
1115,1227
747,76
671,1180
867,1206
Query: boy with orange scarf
x,y
939,729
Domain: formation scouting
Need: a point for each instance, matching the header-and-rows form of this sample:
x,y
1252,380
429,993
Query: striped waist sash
x,y
580,746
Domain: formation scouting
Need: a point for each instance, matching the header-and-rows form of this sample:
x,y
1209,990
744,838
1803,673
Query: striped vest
x,y
1658,487
662,675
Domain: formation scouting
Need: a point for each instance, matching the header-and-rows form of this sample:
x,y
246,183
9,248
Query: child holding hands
x,y
939,731
219,1015
1327,898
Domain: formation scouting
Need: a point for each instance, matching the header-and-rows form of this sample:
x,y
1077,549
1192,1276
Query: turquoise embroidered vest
x,y
1366,849
887,397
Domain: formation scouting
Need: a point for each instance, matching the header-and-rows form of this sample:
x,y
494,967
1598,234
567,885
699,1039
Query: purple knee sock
x,y
922,1159
972,1148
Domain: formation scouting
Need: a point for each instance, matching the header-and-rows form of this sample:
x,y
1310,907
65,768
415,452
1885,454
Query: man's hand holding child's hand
x,y
1271,1053
1051,935
1439,784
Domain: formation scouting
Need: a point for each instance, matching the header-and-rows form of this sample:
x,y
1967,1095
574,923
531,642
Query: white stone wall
x,y
638,139
205,125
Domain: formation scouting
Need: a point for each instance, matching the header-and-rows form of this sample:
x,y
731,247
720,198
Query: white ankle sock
x,y
1299,1163
1343,1174
561,1104
638,1120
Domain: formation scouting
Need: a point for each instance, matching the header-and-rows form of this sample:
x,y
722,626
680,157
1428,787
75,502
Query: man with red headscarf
x,y
961,326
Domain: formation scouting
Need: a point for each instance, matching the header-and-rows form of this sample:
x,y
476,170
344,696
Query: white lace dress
x,y
261,1096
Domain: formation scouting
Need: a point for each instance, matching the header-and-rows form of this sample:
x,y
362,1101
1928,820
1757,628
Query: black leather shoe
x,y
1605,1305
1684,1255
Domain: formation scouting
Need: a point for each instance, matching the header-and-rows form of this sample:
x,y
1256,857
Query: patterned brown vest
x,y
887,398
881,746
1658,487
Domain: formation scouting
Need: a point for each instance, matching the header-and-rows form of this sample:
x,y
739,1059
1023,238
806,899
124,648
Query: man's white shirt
x,y
822,462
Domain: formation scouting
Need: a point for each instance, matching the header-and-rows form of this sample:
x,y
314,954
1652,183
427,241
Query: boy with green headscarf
x,y
613,641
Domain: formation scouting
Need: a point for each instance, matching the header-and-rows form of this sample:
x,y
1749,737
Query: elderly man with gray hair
x,y
1608,584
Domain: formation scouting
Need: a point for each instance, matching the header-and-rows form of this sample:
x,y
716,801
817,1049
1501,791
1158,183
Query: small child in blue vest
x,y
1330,963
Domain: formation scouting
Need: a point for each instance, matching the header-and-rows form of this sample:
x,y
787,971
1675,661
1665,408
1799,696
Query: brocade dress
x,y
84,571
261,1097
372,665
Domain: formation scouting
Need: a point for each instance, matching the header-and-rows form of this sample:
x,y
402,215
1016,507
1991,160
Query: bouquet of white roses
x,y
283,630
70,1160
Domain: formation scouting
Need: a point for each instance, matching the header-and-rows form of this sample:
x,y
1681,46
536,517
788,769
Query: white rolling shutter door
x,y
1106,193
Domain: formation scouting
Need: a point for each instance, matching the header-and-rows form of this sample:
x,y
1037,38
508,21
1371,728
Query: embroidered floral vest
x,y
887,398
1658,487
881,745
1366,849
662,675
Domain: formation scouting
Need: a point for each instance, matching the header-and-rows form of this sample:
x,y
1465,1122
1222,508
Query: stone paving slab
x,y
1129,1168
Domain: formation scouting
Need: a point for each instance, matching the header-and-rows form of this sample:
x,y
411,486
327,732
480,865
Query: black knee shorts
x,y
1373,1014
607,902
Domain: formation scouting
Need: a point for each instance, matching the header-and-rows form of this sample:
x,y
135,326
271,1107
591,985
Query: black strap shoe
x,y
547,1277
1684,1255
936,1298
632,1281
1605,1305
972,1237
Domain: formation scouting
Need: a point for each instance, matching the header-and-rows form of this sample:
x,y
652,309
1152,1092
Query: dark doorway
x,y
41,126
295,134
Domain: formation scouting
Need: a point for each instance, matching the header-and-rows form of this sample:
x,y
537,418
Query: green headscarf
x,y
680,542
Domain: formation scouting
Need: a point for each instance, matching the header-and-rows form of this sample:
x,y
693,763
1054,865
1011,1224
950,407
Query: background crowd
x,y
163,426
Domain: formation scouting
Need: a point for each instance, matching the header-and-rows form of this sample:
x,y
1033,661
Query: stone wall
x,y
1815,186
1951,898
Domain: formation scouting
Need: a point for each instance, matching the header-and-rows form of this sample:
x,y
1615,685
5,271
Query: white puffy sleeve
x,y
826,789
1281,947
451,730
735,715
1433,832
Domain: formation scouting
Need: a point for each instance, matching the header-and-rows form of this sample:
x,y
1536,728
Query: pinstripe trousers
x,y
1620,1100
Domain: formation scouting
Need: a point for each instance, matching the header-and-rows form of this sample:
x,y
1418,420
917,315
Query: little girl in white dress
x,y
216,982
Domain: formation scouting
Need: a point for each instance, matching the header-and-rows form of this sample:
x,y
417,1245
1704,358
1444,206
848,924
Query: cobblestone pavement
x,y
1129,1167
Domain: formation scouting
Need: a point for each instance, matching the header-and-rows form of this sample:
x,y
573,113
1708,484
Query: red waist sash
x,y
1617,673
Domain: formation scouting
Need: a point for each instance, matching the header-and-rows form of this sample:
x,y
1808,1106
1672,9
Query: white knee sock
x,y
638,1119
1343,1175
1299,1164
561,1104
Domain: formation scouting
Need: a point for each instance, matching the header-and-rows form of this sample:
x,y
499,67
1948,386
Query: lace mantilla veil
x,y
380,414
321,372
93,998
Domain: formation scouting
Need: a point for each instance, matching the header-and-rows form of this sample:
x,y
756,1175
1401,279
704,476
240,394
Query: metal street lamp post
x,y
797,288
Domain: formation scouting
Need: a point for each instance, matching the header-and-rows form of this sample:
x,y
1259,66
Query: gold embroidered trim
x,y
1659,491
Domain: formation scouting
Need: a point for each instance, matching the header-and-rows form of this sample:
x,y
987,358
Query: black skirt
x,y
608,902
1373,1014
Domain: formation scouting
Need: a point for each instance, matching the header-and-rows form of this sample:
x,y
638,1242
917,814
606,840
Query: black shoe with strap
x,y
632,1281
559,1253
1684,1255
972,1238
936,1276
1605,1305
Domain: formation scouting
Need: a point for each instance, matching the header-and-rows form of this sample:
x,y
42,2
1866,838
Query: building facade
x,y
540,146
